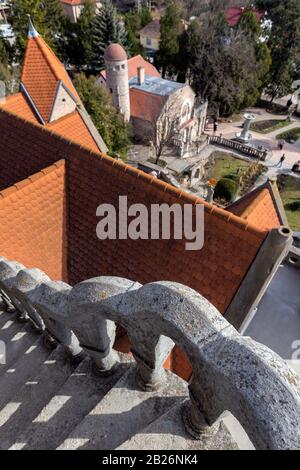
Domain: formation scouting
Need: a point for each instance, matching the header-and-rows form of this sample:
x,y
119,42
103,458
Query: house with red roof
x,y
233,14
54,174
73,8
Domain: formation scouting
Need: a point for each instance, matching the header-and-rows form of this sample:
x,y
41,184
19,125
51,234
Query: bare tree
x,y
165,130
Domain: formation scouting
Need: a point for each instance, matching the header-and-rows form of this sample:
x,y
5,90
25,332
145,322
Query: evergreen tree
x,y
224,65
8,74
283,40
250,26
106,29
134,21
48,19
79,41
110,124
145,15
170,31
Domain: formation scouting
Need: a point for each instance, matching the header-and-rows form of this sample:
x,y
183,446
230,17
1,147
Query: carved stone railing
x,y
239,147
230,372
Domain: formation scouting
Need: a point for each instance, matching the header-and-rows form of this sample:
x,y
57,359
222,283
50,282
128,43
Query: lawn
x,y
290,193
269,125
225,165
290,136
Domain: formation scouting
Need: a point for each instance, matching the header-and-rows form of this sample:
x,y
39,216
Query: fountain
x,y
245,135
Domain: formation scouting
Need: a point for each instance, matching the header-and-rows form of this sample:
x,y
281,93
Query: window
x,y
148,41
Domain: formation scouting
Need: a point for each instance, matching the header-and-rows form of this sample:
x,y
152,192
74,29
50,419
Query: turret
x,y
117,78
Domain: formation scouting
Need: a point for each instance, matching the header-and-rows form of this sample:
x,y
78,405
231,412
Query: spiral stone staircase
x,y
62,386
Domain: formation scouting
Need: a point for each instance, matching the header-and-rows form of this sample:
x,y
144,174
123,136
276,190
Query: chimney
x,y
141,75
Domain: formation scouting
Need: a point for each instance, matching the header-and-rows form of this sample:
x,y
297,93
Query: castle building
x,y
154,106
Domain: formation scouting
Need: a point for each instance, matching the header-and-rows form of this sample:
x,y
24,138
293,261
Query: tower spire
x,y
32,32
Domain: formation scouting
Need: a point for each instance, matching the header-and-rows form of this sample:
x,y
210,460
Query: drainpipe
x,y
260,274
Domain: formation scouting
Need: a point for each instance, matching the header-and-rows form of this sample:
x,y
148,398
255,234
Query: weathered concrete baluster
x,y
150,352
92,319
8,272
25,281
51,301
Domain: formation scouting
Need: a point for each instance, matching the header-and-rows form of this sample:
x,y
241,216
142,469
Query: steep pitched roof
x,y
33,228
20,106
47,96
71,126
133,64
152,29
41,75
262,207
216,271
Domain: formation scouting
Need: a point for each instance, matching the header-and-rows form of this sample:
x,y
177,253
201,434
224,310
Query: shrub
x,y
232,176
226,189
293,206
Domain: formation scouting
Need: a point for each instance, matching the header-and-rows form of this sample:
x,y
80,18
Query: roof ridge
x,y
30,179
166,187
41,44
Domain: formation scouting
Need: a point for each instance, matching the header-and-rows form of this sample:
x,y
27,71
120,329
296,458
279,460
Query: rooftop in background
x,y
133,63
151,30
262,207
233,15
156,85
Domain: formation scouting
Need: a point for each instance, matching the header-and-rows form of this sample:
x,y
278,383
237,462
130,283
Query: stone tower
x,y
117,78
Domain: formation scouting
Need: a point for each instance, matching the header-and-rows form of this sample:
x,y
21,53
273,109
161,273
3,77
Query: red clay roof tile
x,y
41,74
33,228
258,208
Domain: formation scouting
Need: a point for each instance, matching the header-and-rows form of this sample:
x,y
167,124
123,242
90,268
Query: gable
x,y
63,103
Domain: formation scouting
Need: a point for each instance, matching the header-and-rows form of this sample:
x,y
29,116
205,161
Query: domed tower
x,y
117,78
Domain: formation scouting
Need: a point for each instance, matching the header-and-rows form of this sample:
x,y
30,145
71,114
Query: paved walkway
x,y
291,151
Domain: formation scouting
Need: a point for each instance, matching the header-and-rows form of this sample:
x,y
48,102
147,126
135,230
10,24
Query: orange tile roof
x,y
231,243
48,237
18,104
33,228
134,63
41,74
71,126
258,208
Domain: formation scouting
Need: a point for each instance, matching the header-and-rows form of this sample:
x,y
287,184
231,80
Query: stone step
x,y
20,342
11,326
168,432
123,412
5,316
68,407
22,369
25,405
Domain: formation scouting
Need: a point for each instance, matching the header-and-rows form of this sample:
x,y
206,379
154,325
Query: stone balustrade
x,y
230,372
239,147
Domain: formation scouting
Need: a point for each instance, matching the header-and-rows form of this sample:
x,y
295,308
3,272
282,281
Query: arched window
x,y
185,113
